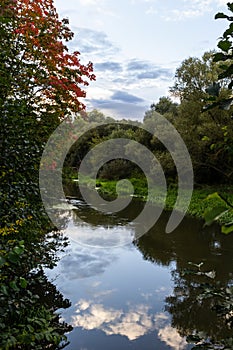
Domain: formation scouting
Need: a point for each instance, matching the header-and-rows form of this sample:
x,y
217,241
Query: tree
x,y
36,64
41,82
194,76
224,58
165,105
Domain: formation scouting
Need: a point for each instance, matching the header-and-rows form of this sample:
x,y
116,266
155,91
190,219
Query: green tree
x,y
165,105
194,76
41,82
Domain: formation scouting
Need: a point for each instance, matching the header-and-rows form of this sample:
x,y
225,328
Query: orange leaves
x,y
39,37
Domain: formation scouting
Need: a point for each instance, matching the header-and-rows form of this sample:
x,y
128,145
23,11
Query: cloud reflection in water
x,y
134,323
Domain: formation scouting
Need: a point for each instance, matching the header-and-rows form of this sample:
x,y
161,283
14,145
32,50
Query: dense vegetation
x,y
39,84
204,125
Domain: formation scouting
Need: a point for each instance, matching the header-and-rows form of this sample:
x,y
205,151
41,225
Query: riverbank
x,y
202,200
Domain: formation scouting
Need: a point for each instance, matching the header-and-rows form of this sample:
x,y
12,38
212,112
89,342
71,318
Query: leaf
x,y
212,147
205,138
14,286
213,214
23,282
230,6
220,15
224,45
18,250
227,229
219,56
228,72
229,31
214,196
4,289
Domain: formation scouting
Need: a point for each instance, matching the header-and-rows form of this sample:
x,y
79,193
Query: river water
x,y
145,294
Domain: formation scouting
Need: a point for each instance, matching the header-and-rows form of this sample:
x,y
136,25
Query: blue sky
x,y
136,45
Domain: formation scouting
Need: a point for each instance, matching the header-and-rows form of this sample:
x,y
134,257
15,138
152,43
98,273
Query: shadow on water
x,y
200,262
201,305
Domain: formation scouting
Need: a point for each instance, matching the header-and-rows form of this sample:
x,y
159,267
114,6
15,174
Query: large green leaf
x,y
212,214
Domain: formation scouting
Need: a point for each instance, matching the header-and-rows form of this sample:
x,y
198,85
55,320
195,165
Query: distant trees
x,y
203,117
207,132
204,129
165,105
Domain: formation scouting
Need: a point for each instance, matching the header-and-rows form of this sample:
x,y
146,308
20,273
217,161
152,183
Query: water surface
x,y
142,295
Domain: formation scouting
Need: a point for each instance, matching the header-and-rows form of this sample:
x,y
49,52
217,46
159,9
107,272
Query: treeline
x,y
205,127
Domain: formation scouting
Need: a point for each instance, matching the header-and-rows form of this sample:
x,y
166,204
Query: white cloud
x,y
98,93
180,15
196,8
172,338
134,323
83,304
95,317
115,50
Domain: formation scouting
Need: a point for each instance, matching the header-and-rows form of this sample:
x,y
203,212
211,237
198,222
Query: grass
x,y
199,204
199,201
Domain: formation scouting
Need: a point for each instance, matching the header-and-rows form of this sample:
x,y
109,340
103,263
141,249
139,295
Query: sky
x,y
136,46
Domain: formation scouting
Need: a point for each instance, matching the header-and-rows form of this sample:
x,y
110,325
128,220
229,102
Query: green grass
x,y
199,202
198,205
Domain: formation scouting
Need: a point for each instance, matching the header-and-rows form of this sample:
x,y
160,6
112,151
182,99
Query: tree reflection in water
x,y
202,302
201,305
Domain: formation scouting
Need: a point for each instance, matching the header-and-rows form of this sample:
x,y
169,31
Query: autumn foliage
x,y
40,65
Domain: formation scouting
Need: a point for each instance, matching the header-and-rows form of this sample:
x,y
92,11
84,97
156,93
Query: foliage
x,y
40,84
28,304
35,62
165,105
223,308
222,209
194,76
200,205
225,56
200,303
224,146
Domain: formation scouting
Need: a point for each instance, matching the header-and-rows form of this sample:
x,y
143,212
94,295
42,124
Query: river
x,y
146,294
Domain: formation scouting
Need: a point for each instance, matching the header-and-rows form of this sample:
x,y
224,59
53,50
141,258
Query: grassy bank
x,y
201,201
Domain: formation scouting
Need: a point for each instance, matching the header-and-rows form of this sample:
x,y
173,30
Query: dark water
x,y
143,295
